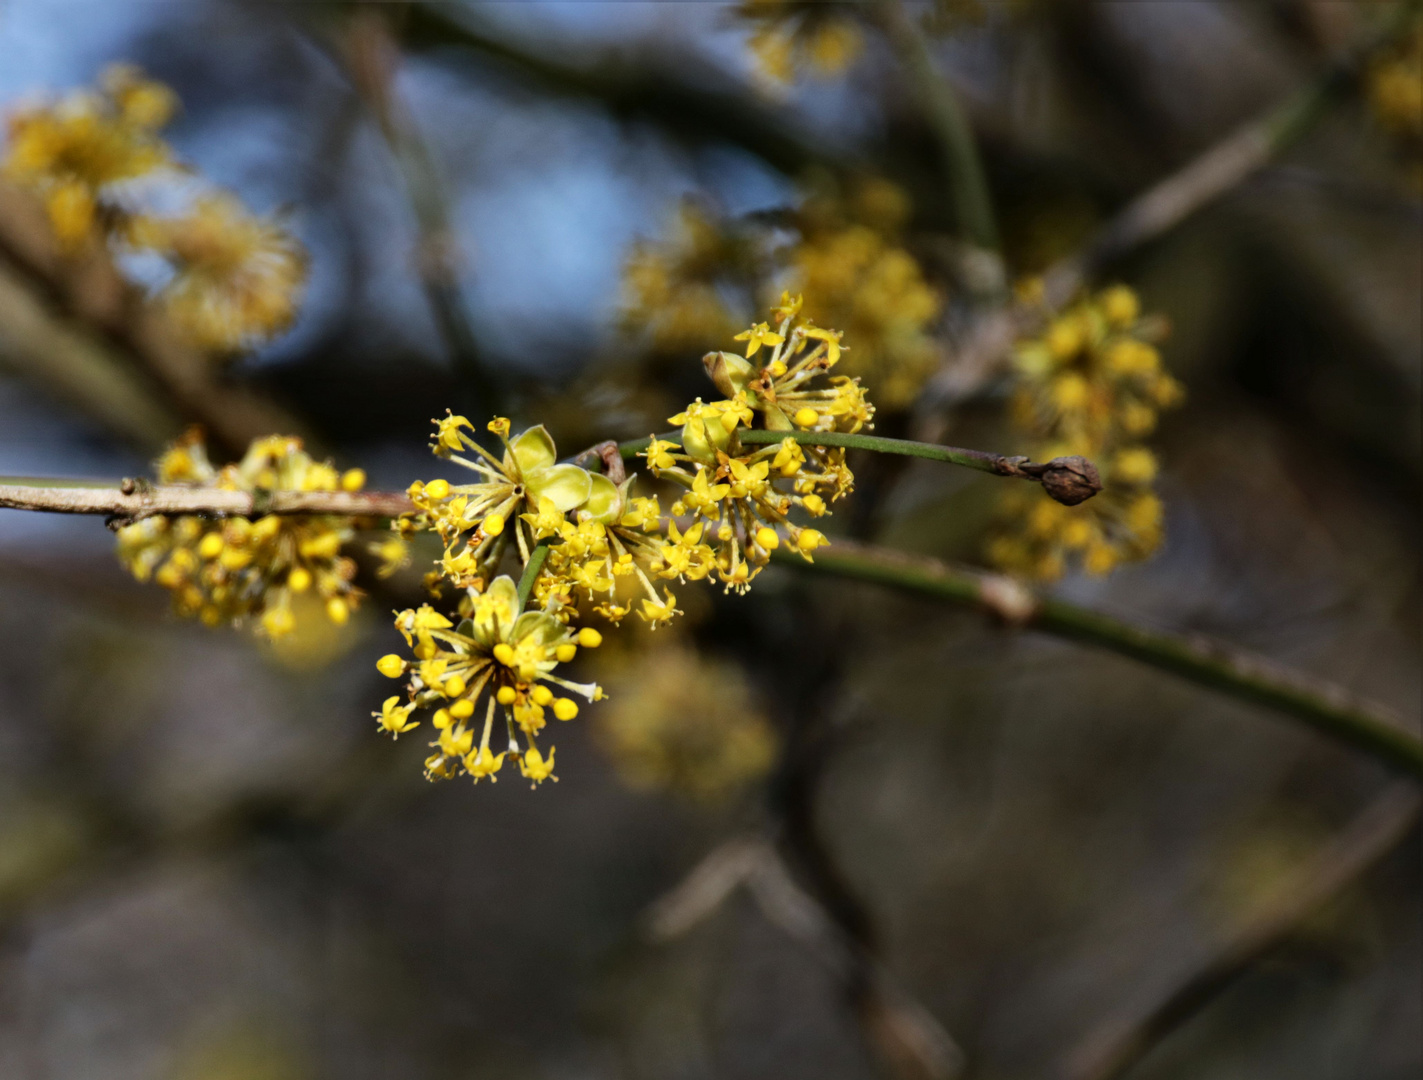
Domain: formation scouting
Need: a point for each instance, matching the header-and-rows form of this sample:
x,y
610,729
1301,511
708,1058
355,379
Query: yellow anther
x,y
493,524
437,489
565,709
541,694
768,538
806,417
337,610
565,653
299,580
210,547
391,666
462,709
506,695
725,533
589,638
353,479
504,653
453,686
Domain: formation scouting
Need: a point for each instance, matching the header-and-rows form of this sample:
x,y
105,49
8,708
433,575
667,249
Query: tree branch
x,y
134,500
686,98
963,166
1111,1050
372,58
906,1033
1323,706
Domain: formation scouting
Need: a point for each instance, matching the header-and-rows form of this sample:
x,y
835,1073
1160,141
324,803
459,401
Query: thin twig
x,y
1117,1045
1324,706
133,501
373,58
913,1041
1069,480
963,166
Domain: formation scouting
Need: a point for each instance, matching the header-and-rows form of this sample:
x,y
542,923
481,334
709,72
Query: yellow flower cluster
x,y
852,265
75,152
739,498
791,35
235,279
233,570
1395,89
574,532
847,259
686,724
497,656
677,291
1093,384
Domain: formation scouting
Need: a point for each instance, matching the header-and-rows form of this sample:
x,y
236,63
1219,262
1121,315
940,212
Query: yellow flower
x,y
758,335
395,718
237,279
791,34
498,659
683,723
235,570
535,768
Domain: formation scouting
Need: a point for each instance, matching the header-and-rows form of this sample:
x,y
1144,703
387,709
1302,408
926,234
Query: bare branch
x,y
1324,706
1113,1048
134,500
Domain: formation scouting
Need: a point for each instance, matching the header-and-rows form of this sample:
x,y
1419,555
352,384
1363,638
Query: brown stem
x,y
133,500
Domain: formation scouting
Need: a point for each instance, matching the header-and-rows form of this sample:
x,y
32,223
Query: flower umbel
x,y
735,499
497,661
235,570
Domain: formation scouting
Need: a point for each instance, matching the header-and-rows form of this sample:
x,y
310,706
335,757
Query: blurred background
x,y
992,846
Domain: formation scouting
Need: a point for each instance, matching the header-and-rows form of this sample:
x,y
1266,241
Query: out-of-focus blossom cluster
x,y
789,37
845,254
1395,88
106,176
1092,384
686,723
683,291
236,570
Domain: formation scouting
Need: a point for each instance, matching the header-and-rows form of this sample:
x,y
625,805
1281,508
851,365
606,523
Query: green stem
x,y
981,460
967,180
1324,707
531,571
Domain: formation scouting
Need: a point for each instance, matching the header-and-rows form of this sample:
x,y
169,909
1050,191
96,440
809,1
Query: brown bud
x,y
1071,480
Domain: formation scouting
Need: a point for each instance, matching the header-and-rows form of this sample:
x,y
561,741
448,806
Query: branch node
x,y
1009,600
